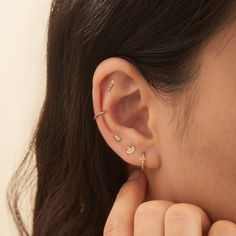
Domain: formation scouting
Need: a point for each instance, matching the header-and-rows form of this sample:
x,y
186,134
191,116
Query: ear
x,y
128,106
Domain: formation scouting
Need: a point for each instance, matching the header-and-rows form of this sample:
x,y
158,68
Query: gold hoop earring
x,y
98,114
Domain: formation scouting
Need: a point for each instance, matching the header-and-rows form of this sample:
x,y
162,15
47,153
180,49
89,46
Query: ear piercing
x,y
142,159
111,85
129,149
117,138
98,114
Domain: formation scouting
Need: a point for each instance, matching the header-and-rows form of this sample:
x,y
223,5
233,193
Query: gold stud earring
x,y
117,138
142,159
111,85
130,149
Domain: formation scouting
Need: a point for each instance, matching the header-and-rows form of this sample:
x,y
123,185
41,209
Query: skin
x,y
190,167
131,216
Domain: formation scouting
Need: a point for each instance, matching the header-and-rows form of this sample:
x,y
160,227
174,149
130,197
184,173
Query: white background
x,y
23,30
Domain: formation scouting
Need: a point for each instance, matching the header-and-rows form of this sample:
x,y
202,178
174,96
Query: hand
x,y
131,216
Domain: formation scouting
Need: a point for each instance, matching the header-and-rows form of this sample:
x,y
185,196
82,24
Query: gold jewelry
x,y
142,159
117,138
130,149
111,85
98,114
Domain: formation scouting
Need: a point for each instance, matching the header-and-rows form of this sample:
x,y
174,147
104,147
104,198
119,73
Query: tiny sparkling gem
x,y
142,158
111,85
117,138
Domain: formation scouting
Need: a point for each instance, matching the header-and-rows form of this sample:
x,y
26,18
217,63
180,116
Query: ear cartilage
x,y
117,138
142,159
111,85
130,149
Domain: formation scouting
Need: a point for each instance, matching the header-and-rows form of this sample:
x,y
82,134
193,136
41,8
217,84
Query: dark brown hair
x,y
78,175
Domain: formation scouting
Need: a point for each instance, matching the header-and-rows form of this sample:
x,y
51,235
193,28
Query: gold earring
x,y
130,149
108,88
142,159
117,138
111,85
98,114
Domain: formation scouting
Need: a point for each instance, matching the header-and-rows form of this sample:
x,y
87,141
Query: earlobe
x,y
121,110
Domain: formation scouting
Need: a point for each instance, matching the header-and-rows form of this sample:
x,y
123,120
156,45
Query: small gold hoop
x,y
98,114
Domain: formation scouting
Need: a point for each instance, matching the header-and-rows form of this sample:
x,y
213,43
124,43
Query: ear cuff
x,y
98,114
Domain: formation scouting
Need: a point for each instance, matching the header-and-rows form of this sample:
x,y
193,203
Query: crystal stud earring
x,y
111,85
117,138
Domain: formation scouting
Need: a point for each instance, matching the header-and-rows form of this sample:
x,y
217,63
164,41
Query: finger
x,y
149,218
186,220
130,196
223,227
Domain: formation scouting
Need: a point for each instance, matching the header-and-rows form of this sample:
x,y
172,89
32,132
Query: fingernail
x,y
134,175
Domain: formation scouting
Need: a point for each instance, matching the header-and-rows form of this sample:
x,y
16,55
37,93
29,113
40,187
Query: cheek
x,y
210,156
201,171
213,129
212,147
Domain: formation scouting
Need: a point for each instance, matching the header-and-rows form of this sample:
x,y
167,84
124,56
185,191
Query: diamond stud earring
x,y
130,149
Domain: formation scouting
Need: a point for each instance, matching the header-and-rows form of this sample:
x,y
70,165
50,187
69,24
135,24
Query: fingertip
x,y
137,175
129,197
134,188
